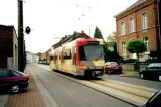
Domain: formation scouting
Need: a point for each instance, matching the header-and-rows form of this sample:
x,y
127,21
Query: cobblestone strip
x,y
3,99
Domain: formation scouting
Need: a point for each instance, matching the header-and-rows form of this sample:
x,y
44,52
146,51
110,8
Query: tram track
x,y
136,90
132,94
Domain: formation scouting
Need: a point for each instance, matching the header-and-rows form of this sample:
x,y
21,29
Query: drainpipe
x,y
158,1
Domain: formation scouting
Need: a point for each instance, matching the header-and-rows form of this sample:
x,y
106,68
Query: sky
x,y
50,20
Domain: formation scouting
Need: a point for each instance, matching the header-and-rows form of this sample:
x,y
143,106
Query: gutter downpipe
x,y
159,24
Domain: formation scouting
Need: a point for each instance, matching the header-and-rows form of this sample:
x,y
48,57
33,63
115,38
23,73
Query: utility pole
x,y
20,37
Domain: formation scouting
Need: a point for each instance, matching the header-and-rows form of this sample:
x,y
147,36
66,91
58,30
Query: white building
x,y
32,57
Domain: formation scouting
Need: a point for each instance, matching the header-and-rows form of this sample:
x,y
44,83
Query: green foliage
x,y
74,36
151,61
98,34
115,46
112,56
156,55
136,46
111,37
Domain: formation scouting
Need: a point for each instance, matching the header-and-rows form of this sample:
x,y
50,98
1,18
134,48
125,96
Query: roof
x,y
68,38
132,6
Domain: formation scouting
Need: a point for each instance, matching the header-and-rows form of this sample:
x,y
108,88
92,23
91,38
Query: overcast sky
x,y
55,18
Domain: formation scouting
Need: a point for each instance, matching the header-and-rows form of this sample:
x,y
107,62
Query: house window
x,y
122,28
144,20
132,27
123,48
146,41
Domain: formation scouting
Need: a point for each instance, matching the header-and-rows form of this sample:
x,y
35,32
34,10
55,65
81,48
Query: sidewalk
x,y
30,98
130,74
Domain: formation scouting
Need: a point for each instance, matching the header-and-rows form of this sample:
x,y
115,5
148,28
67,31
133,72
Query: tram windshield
x,y
89,53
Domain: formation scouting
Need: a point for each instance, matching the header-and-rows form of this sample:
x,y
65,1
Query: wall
x,y
15,50
130,67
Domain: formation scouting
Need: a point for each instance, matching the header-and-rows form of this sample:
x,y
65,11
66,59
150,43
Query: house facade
x,y
140,21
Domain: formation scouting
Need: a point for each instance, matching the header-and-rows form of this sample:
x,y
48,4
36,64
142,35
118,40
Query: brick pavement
x,y
30,98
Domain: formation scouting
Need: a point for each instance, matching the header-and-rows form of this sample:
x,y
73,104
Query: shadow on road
x,y
77,77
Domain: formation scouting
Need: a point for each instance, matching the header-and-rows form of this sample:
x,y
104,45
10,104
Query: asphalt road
x,y
135,80
71,94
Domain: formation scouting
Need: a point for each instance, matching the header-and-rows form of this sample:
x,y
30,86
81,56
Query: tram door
x,y
56,60
74,59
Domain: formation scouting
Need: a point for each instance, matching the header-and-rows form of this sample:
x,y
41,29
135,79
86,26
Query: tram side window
x,y
51,58
56,56
67,54
59,55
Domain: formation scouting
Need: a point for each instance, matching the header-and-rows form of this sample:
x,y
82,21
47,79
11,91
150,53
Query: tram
x,y
80,57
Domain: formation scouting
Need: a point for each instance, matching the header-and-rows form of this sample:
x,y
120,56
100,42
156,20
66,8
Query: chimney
x,y
82,31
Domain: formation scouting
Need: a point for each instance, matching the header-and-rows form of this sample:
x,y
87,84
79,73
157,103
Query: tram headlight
x,y
82,67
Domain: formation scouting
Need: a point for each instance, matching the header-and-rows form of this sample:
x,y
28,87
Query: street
x,y
71,94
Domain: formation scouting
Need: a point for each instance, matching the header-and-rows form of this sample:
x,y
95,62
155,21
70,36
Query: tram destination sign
x,y
93,42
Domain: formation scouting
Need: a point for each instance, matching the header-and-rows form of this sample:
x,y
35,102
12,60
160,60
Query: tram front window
x,y
89,53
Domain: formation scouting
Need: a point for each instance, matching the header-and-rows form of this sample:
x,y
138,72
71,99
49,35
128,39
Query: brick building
x,y
139,21
8,47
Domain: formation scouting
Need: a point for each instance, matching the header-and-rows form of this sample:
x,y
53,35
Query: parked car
x,y
113,67
13,80
154,101
153,70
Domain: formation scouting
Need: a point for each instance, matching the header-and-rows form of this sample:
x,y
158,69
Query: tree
x,y
115,46
111,37
74,36
112,56
98,33
136,46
